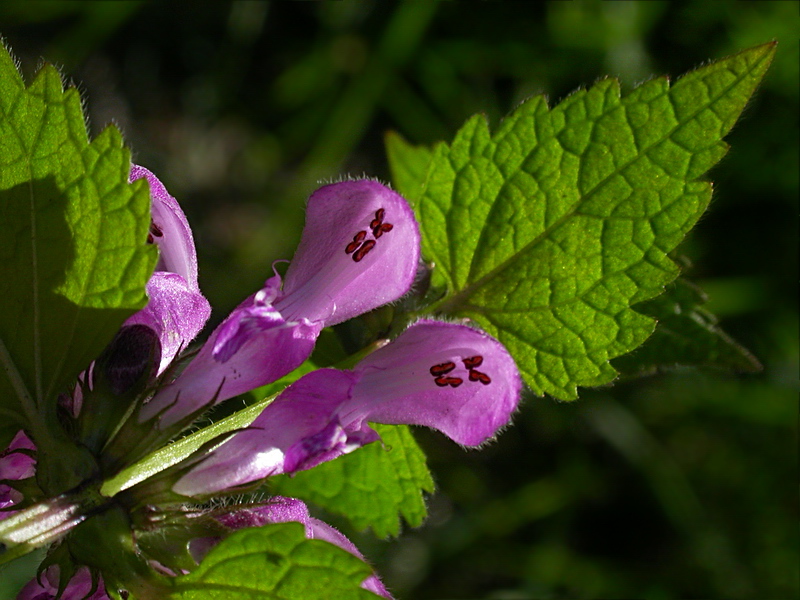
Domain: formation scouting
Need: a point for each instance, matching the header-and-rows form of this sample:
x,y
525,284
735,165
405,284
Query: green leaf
x,y
372,486
686,334
409,164
549,230
73,255
275,562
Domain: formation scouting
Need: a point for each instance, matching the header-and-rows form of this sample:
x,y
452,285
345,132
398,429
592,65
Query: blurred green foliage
x,y
675,486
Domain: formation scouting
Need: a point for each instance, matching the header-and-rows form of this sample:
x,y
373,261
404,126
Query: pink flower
x,y
449,377
15,465
359,250
80,587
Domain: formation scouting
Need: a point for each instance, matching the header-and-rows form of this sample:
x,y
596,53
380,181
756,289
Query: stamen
x,y
155,231
478,376
362,252
378,231
442,368
376,222
357,239
473,362
444,381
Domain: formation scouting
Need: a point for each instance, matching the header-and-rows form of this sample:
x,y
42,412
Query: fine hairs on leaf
x,y
547,231
73,258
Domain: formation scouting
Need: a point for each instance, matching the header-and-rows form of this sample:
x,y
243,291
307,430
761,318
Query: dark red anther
x,y
444,381
155,232
376,222
362,252
381,229
442,368
357,239
478,376
473,362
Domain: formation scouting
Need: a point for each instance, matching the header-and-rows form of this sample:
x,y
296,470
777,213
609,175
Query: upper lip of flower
x,y
169,230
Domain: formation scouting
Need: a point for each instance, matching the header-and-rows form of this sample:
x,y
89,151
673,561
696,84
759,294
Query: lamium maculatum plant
x,y
525,258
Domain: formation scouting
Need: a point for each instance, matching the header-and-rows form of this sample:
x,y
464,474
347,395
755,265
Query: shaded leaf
x,y
371,487
685,334
73,258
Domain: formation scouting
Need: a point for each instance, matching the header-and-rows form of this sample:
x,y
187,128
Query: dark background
x,y
681,485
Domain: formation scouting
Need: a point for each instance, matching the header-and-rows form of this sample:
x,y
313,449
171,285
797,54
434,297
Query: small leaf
x,y
548,231
372,486
275,562
686,334
73,255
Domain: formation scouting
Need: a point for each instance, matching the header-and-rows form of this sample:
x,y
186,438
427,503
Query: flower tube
x,y
359,250
445,376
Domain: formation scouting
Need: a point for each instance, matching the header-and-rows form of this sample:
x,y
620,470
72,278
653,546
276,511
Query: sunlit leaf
x,y
549,230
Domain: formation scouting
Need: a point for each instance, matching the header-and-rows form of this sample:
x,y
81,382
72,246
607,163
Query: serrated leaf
x,y
73,257
275,562
685,334
549,230
371,487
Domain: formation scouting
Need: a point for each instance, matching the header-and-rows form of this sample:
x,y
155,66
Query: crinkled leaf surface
x,y
73,257
371,487
547,231
686,334
275,562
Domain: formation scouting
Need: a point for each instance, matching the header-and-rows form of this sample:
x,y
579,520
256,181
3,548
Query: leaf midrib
x,y
452,303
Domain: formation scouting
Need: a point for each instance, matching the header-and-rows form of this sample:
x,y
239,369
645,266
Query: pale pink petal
x,y
359,250
170,231
175,311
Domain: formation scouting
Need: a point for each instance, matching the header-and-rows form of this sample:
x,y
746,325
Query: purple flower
x,y
15,466
169,230
449,377
359,250
280,509
45,587
176,310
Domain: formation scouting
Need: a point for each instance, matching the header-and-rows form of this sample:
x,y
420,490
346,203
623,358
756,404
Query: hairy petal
x,y
252,347
449,377
468,404
359,250
170,231
175,311
299,428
